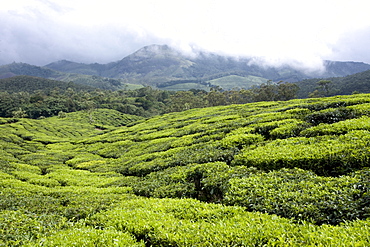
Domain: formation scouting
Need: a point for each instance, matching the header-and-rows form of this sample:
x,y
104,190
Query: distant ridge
x,y
31,84
359,82
161,65
18,69
167,68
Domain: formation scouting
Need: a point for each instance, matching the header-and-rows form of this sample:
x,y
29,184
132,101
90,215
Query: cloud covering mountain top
x,y
299,33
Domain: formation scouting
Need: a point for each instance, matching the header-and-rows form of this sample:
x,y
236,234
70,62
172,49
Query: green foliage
x,y
185,100
324,155
45,98
32,84
240,140
69,177
206,182
234,81
17,228
299,194
35,179
88,236
279,129
338,128
169,222
331,115
289,128
19,114
87,173
50,101
344,85
275,91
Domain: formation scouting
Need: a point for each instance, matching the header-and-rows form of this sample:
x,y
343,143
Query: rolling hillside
x,y
289,173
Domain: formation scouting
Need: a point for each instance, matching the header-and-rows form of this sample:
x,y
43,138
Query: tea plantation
x,y
287,173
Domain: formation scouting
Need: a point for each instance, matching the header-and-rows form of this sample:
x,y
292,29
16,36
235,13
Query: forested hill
x,y
278,173
38,97
359,82
16,69
166,68
161,65
31,84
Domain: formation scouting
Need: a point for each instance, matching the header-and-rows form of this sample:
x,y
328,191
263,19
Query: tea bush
x,y
88,236
279,129
326,155
18,228
339,128
331,115
240,140
301,195
184,222
79,178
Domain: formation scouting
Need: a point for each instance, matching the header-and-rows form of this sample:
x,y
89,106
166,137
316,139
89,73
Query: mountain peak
x,y
163,65
155,51
156,48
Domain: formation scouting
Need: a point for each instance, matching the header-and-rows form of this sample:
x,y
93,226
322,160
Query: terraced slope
x,y
292,173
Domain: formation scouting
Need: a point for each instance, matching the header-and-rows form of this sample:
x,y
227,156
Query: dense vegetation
x,y
31,84
277,173
44,98
166,68
37,97
359,82
23,69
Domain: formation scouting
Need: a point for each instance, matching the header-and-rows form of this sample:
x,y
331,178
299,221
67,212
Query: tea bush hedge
x,y
290,173
325,155
184,222
301,195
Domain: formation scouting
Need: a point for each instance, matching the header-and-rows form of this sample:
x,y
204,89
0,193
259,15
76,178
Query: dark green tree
x,y
265,92
286,91
20,113
184,100
215,97
324,85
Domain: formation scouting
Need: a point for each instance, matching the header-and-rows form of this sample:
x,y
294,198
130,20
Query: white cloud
x,y
278,32
353,46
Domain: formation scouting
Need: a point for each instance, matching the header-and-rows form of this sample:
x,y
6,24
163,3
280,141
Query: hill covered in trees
x,y
32,84
359,82
38,97
163,67
23,69
278,173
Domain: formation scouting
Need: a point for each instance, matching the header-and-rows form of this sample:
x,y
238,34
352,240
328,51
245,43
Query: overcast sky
x,y
297,32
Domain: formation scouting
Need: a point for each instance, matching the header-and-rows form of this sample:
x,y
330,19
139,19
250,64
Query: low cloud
x,y
353,46
296,33
40,40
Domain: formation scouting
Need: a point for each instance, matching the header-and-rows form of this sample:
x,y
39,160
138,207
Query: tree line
x,y
144,102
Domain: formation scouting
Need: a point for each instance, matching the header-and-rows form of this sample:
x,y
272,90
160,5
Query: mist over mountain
x,y
161,65
167,68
